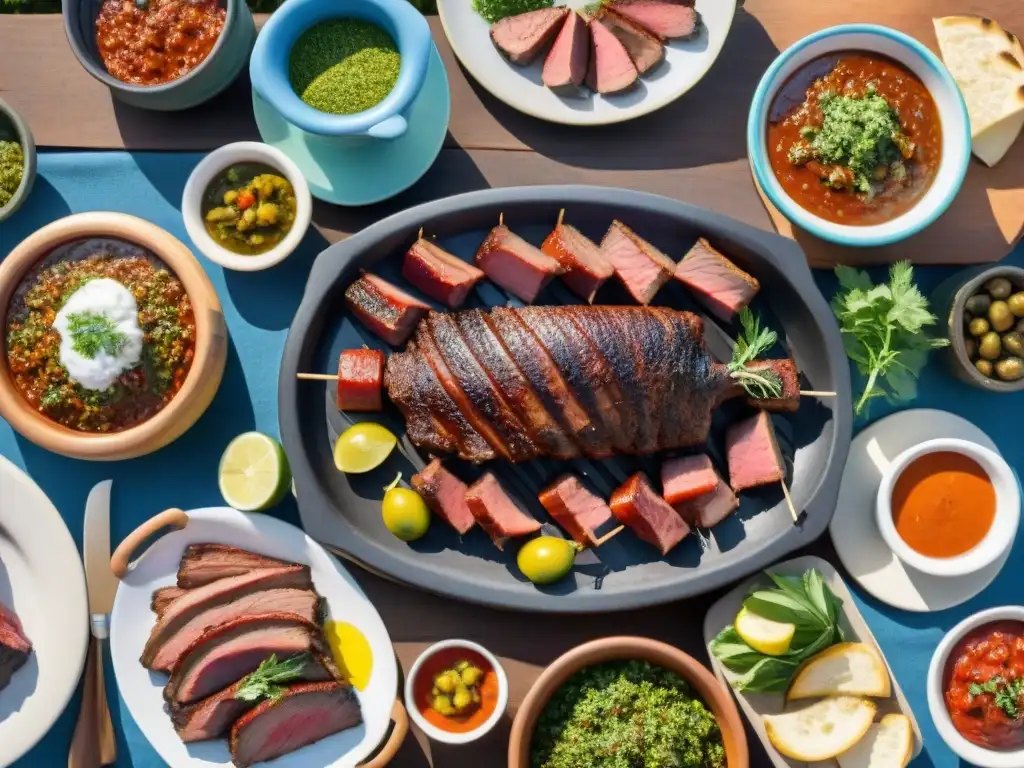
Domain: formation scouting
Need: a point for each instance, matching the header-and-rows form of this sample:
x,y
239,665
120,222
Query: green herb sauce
x,y
12,169
344,66
629,714
496,10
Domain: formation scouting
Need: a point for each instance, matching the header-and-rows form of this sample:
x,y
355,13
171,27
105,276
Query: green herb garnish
x,y
805,602
751,344
883,331
12,170
1006,695
495,10
264,683
92,333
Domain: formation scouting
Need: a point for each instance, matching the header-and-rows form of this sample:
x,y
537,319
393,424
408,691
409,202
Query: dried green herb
x,y
265,682
12,170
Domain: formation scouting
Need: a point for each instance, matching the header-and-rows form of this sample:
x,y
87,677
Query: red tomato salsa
x,y
437,663
984,686
148,42
32,345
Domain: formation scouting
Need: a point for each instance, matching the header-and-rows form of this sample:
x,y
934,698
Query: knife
x,y
93,743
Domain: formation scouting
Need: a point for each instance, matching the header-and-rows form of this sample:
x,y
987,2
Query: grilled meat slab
x,y
15,647
203,563
522,38
163,597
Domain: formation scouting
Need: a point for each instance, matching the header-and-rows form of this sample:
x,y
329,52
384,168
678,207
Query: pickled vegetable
x,y
363,447
249,208
999,287
456,690
1000,316
990,346
546,559
1010,369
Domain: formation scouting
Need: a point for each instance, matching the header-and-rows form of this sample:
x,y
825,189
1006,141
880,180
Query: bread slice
x,y
821,730
854,669
887,744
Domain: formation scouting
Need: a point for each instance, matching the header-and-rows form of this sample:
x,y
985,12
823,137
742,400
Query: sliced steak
x,y
360,380
664,18
403,372
710,509
163,597
753,453
515,265
445,494
610,70
499,516
203,563
787,371
586,266
643,48
641,267
687,478
565,67
717,283
438,274
387,310
226,653
305,714
522,38
650,517
15,647
574,507
186,618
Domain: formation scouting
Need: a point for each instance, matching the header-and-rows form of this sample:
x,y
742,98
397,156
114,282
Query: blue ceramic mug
x,y
268,67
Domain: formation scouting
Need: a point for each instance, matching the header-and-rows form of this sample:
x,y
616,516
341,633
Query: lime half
x,y
363,447
253,473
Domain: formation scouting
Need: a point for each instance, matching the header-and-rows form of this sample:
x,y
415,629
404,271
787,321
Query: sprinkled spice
x,y
496,10
344,66
12,168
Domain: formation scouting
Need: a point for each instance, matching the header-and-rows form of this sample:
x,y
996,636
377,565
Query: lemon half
x,y
771,638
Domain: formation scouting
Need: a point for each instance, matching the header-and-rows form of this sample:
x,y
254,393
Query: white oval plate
x,y
41,579
686,62
856,537
132,620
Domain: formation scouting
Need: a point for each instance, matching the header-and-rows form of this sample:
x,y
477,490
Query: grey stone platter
x,y
344,511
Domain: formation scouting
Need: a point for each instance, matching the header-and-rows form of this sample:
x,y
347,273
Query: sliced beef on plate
x,y
385,309
516,391
636,504
445,494
687,477
664,18
438,274
499,516
709,509
522,38
753,454
305,714
15,647
586,267
565,67
515,265
360,380
203,563
641,267
717,283
787,371
644,49
186,618
576,508
163,597
610,70
226,653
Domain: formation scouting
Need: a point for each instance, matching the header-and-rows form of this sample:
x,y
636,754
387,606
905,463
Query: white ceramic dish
x,y
971,753
132,620
686,62
956,136
1000,536
855,535
218,161
41,579
433,731
756,705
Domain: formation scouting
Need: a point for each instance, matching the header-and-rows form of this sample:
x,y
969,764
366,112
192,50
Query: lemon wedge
x,y
363,447
772,638
888,743
822,730
854,669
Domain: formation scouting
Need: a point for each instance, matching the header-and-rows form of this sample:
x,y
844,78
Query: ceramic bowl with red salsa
x,y
858,134
976,688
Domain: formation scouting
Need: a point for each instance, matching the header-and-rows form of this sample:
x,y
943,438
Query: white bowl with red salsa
x,y
976,688
859,135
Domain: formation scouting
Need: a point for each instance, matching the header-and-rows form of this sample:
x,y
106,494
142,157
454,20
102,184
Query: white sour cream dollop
x,y
113,301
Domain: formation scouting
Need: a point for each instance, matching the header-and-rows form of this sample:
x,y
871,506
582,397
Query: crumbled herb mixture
x,y
626,715
344,66
1008,696
496,10
92,333
12,169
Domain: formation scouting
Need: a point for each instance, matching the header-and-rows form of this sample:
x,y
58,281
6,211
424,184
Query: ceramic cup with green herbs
x,y
17,160
348,68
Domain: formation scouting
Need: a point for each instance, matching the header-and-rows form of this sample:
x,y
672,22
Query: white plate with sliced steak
x,y
44,615
567,65
198,616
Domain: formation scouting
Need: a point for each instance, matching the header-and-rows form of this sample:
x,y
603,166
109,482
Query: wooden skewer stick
x,y
595,543
501,219
789,501
317,376
816,393
561,214
421,233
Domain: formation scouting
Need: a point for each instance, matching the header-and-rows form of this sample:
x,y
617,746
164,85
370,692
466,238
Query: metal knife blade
x,y
101,582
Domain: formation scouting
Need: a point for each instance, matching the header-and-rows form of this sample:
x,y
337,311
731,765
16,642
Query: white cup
x,y
1000,535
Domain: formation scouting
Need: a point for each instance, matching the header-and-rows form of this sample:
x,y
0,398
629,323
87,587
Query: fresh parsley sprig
x,y
92,333
265,682
1008,696
754,341
883,331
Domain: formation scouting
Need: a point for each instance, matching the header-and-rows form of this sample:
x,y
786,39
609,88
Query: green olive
x,y
1010,369
1016,303
405,513
999,287
990,346
978,303
1013,344
1000,316
971,346
984,367
978,326
546,559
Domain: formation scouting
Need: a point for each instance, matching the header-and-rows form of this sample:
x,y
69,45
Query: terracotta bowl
x,y
715,695
210,352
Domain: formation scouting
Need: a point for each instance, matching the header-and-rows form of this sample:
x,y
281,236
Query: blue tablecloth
x,y
258,308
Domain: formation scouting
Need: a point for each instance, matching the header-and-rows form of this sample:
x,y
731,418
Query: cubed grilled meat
x,y
717,283
753,453
636,504
641,267
576,508
786,370
586,266
387,310
515,265
522,38
499,516
709,509
438,274
687,477
360,380
445,494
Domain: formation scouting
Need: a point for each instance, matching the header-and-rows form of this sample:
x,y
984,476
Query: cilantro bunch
x,y
883,331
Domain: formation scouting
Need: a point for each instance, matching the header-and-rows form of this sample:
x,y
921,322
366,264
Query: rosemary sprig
x,y
264,683
754,341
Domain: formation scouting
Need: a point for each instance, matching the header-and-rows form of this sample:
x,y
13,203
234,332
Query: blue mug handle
x,y
390,128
